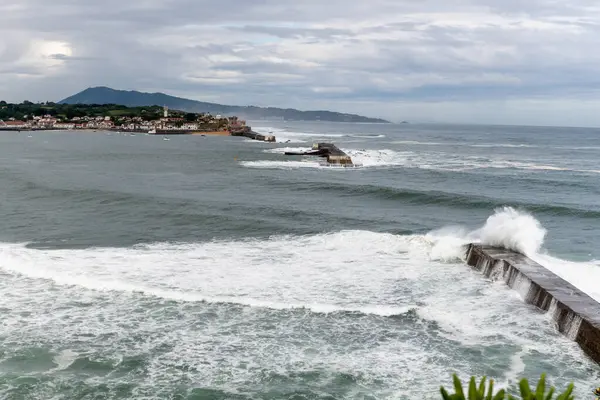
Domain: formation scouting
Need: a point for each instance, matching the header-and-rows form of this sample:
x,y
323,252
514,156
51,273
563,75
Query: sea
x,y
200,267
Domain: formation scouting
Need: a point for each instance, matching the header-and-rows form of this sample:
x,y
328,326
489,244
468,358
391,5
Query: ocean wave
x,y
387,158
313,273
367,136
281,150
462,144
447,199
282,135
355,298
420,143
193,271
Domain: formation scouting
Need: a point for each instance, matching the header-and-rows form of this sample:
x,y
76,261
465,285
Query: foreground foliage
x,y
480,392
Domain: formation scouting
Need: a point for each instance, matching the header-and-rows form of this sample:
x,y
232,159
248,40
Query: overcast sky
x,y
474,61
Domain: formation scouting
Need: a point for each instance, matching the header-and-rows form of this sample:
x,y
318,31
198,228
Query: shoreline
x,y
166,132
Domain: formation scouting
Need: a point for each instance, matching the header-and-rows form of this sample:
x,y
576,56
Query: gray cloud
x,y
391,58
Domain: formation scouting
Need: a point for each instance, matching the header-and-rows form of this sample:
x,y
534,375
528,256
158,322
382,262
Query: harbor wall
x,y
575,313
253,135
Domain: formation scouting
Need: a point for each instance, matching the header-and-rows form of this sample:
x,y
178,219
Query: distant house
x,y
15,124
64,125
47,122
190,126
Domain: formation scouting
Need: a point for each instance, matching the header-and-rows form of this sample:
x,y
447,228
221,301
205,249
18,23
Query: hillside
x,y
105,95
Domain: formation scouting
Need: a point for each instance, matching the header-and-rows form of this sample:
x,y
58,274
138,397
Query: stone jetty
x,y
575,313
329,151
246,131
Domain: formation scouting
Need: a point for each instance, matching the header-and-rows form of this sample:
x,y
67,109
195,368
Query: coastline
x,y
160,132
211,133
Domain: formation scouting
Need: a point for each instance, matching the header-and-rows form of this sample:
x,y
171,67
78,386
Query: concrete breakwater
x,y
575,313
327,150
246,131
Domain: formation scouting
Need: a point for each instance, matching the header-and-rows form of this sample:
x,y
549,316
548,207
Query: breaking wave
x,y
447,199
387,158
193,272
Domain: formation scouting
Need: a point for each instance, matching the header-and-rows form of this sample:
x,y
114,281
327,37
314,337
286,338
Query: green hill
x,y
105,95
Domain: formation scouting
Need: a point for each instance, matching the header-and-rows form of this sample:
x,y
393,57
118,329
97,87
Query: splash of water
x,y
514,230
508,228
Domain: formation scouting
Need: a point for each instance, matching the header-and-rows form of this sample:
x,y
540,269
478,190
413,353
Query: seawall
x,y
576,314
249,133
328,150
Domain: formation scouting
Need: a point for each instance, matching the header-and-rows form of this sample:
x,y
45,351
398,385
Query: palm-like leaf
x,y
479,392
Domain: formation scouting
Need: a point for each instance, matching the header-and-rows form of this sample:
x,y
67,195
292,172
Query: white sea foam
x,y
281,150
285,136
482,145
361,158
513,230
387,158
507,145
128,270
367,136
521,232
419,143
266,164
153,292
64,359
583,275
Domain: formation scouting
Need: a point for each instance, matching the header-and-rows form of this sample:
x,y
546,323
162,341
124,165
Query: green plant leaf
x,y
541,388
481,391
458,387
472,389
566,395
525,390
550,393
500,395
490,390
445,394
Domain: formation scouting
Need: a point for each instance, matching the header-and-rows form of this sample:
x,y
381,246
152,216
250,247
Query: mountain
x,y
105,95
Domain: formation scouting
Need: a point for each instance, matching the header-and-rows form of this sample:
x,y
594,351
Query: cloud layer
x,y
463,60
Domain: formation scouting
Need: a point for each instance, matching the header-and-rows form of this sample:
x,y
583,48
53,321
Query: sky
x,y
533,62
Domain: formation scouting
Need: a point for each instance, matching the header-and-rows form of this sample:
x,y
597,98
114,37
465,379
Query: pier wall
x,y
575,313
253,135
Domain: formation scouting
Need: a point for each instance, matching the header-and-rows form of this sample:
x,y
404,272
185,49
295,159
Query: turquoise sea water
x,y
219,268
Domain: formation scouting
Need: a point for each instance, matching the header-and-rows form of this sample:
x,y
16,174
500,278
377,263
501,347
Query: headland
x,y
156,120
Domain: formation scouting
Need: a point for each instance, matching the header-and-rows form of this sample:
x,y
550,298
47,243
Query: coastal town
x,y
188,122
151,120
